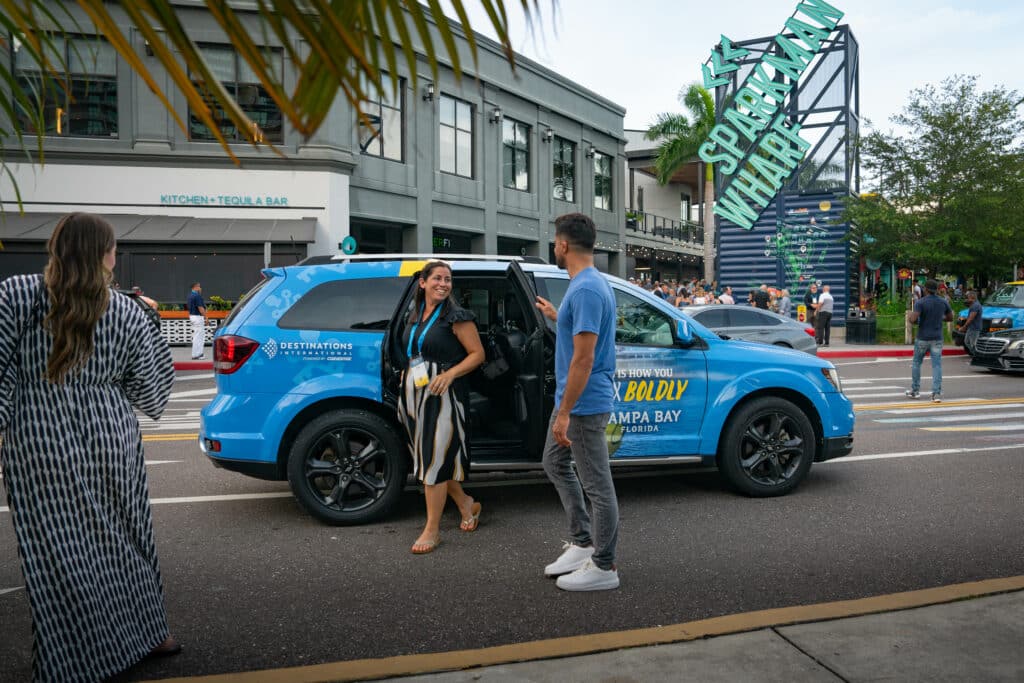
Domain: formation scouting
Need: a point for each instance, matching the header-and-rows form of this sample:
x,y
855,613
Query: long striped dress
x,y
76,486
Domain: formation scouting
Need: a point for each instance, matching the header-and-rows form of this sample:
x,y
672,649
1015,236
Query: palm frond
x,y
354,47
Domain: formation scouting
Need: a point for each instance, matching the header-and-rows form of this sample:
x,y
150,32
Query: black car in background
x,y
1002,350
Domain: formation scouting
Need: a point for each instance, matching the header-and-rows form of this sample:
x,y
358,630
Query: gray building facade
x,y
482,165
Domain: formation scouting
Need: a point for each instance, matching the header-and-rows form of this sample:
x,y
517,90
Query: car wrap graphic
x,y
659,401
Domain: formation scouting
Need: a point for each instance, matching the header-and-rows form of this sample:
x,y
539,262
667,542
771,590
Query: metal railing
x,y
663,228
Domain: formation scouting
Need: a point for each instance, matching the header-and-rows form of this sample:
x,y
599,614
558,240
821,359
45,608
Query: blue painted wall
x,y
751,257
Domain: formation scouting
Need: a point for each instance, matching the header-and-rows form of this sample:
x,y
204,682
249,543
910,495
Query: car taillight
x,y
809,330
230,352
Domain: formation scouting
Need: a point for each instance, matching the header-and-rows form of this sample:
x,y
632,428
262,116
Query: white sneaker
x,y
572,558
589,577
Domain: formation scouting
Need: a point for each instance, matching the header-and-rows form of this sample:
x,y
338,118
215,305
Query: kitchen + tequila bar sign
x,y
755,146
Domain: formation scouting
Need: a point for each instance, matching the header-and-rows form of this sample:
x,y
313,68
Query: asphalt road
x,y
933,495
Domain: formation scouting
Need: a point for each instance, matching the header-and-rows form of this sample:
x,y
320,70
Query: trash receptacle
x,y
861,330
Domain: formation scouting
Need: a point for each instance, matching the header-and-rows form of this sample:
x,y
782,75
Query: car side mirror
x,y
683,333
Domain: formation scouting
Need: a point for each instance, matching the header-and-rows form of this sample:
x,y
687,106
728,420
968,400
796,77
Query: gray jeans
x,y
590,452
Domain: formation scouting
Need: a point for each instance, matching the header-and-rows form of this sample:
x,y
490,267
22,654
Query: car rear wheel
x,y
347,467
767,448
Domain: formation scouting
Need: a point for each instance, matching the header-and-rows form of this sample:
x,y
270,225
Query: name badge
x,y
418,368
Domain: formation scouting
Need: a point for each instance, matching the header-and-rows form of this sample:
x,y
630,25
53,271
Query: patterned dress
x,y
76,486
435,426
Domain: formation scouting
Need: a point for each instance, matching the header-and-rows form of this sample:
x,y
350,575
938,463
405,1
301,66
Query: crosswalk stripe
x,y
972,428
947,408
950,418
925,405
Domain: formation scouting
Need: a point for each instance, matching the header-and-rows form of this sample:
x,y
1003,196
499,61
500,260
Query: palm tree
x,y
354,46
681,137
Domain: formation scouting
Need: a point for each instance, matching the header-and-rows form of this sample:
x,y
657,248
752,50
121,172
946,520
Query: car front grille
x,y
990,346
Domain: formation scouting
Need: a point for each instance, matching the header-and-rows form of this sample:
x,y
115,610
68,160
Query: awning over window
x,y
139,228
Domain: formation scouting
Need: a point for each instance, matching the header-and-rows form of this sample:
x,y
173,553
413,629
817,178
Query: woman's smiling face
x,y
437,286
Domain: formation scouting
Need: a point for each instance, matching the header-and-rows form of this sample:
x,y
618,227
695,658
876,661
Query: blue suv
x,y
308,368
1002,310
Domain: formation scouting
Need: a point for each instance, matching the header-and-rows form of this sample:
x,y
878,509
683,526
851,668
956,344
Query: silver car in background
x,y
755,324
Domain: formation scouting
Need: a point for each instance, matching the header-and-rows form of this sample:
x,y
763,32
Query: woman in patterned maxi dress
x,y
72,457
442,335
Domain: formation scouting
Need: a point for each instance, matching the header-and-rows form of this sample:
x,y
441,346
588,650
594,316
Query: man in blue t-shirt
x,y
930,311
584,392
972,326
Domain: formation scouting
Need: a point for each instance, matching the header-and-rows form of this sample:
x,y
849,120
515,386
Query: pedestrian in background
x,y
823,316
584,392
810,299
442,346
785,304
197,316
726,297
761,297
972,326
78,357
929,313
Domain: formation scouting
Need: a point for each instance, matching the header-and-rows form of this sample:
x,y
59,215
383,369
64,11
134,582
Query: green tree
x,y
681,136
946,194
354,47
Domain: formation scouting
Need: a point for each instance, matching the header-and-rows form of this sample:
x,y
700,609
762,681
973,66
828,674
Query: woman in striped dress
x,y
442,347
76,356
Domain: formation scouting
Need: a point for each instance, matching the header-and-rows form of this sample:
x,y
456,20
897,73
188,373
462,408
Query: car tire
x,y
767,448
348,467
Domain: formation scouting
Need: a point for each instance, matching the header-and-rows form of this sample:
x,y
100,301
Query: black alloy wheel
x,y
768,447
347,467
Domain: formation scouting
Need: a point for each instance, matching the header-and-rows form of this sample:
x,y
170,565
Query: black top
x,y
761,299
440,345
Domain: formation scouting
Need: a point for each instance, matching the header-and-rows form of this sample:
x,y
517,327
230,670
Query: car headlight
x,y
1001,322
832,375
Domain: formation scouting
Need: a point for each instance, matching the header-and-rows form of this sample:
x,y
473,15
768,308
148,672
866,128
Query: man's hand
x,y
560,428
548,310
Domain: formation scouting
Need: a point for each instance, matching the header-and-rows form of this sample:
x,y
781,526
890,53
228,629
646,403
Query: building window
x,y
602,181
241,83
515,155
456,136
564,170
383,137
84,106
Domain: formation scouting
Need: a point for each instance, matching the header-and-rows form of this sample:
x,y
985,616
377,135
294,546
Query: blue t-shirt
x,y
933,310
195,300
975,325
588,306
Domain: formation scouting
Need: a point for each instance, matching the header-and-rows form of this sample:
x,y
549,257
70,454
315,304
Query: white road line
x,y
924,375
217,499
925,402
4,591
874,361
949,409
161,462
187,378
952,418
871,387
196,392
965,428
186,400
914,454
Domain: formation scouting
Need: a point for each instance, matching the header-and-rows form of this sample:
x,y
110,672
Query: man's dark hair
x,y
193,285
931,285
578,230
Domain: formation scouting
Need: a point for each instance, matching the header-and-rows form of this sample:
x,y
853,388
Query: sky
x,y
640,53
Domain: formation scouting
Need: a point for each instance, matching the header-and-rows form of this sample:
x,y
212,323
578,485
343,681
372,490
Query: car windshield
x,y
1007,295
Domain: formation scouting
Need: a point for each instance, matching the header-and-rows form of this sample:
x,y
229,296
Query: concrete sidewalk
x,y
969,640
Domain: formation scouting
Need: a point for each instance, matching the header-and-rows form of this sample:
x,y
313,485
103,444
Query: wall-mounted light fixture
x,y
149,49
495,115
548,135
590,152
428,93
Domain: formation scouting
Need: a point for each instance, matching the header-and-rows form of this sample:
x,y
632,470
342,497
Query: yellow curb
x,y
170,437
408,665
927,405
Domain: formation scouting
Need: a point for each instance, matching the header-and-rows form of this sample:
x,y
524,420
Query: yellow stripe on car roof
x,y
411,267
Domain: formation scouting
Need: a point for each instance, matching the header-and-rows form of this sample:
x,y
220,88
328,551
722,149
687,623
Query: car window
x,y
639,322
244,301
1009,295
345,305
553,289
712,318
748,317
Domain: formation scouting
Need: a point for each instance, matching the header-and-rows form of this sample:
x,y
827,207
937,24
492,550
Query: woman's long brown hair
x,y
421,295
78,284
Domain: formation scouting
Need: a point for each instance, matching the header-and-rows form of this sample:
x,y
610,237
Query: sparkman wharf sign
x,y
754,144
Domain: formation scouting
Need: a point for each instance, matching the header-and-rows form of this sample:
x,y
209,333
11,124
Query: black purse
x,y
496,365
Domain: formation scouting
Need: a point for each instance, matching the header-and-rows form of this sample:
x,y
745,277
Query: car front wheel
x,y
767,448
347,467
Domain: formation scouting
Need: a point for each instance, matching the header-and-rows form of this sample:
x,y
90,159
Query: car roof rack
x,y
365,258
